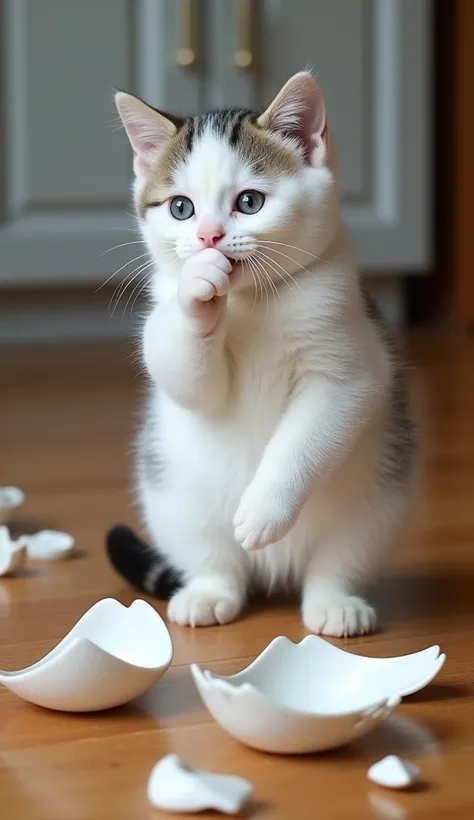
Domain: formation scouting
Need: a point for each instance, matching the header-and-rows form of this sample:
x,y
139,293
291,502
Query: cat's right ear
x,y
147,130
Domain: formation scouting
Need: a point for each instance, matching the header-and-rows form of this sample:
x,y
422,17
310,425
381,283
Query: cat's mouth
x,y
237,268
236,262
233,261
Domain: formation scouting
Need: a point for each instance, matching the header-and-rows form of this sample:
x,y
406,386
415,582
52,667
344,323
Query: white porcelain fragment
x,y
174,786
394,773
113,654
10,499
306,697
49,545
12,553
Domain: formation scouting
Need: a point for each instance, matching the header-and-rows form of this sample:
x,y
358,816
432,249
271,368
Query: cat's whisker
x,y
261,281
144,275
118,300
140,256
133,291
298,264
247,261
127,283
267,277
122,245
258,278
284,278
129,277
296,248
286,275
145,284
117,290
140,286
270,281
264,281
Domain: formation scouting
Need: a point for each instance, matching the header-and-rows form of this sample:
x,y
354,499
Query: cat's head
x,y
256,186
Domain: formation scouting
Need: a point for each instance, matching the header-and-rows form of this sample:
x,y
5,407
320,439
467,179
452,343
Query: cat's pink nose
x,y
210,235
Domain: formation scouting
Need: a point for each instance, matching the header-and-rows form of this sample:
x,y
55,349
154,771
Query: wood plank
x,y
66,419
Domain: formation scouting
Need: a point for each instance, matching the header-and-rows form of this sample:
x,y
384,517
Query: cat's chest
x,y
262,360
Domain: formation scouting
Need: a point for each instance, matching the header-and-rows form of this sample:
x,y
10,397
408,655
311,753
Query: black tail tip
x,y
121,537
141,566
128,554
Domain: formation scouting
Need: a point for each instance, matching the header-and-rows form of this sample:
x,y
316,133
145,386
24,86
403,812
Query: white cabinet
x,y
66,170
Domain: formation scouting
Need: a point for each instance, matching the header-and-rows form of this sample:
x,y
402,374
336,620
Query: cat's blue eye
x,y
181,207
250,202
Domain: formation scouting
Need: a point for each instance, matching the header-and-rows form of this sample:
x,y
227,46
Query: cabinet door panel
x,y
65,187
65,176
334,39
372,60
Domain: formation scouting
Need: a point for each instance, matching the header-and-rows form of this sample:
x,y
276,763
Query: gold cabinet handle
x,y
186,51
243,56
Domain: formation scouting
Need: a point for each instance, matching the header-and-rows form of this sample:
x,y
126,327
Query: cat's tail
x,y
141,565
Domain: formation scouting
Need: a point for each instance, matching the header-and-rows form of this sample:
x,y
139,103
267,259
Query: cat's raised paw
x,y
262,518
194,607
338,616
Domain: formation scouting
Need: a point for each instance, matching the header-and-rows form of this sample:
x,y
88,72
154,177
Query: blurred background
x,y
387,68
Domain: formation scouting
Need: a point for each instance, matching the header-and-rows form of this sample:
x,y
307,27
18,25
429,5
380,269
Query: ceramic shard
x,y
174,786
393,773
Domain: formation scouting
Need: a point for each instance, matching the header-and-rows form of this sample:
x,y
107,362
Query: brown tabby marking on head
x,y
264,150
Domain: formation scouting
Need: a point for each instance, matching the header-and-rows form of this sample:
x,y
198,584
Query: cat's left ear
x,y
299,111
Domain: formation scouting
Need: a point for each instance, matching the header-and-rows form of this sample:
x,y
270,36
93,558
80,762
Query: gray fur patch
x,y
149,457
399,456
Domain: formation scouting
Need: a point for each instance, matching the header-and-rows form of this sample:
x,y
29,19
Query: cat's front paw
x,y
338,615
202,288
263,517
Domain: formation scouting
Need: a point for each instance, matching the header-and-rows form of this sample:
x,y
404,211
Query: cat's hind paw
x,y
195,606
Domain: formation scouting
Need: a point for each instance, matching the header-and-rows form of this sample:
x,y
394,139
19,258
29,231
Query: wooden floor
x,y
66,417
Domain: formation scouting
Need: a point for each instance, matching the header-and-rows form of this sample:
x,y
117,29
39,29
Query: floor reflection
x,y
400,736
386,808
405,738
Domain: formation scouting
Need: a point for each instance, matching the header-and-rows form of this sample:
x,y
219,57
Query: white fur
x,y
270,409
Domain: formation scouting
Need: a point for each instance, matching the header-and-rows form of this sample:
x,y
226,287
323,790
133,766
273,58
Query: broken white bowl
x,y
49,545
306,697
394,773
174,786
10,499
12,553
113,654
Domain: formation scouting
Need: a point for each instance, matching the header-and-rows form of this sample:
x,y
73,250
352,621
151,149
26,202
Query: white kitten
x,y
278,447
